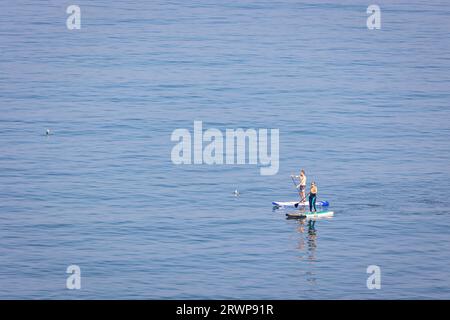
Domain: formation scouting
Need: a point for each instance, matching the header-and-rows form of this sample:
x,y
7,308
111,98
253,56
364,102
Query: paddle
x,y
295,184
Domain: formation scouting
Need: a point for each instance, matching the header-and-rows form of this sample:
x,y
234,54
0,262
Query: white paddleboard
x,y
300,204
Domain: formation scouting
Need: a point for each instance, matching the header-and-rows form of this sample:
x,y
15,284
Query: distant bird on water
x,y
236,193
47,132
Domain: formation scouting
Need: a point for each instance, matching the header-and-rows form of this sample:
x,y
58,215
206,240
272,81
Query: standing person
x,y
302,186
312,197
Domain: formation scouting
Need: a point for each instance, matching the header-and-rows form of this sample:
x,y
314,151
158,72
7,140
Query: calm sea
x,y
364,112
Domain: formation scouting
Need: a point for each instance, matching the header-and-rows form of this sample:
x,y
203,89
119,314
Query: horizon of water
x,y
364,112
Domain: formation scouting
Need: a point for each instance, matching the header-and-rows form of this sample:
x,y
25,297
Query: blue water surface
x,y
364,112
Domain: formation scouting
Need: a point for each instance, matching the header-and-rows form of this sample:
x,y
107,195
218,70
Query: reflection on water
x,y
307,246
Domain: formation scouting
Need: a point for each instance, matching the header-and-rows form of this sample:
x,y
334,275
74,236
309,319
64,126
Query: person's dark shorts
x,y
302,188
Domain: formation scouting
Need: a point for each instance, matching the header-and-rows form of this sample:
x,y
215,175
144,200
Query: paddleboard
x,y
301,204
309,215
